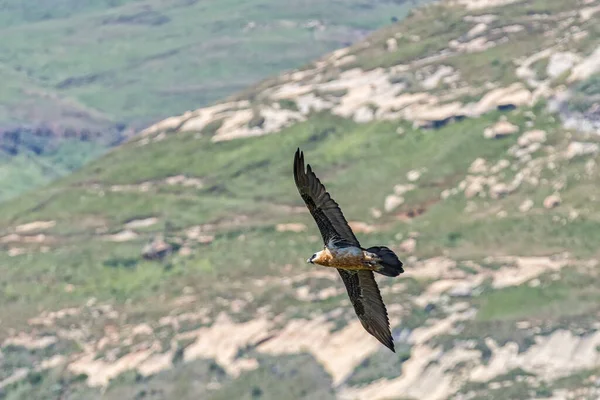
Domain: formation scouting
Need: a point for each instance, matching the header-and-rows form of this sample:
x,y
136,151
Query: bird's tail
x,y
388,262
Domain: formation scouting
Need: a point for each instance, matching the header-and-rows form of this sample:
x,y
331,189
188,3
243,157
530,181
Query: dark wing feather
x,y
365,297
323,208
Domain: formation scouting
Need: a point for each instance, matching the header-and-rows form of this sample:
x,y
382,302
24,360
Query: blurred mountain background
x,y
464,136
82,76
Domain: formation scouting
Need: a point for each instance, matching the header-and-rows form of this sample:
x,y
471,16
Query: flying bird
x,y
341,250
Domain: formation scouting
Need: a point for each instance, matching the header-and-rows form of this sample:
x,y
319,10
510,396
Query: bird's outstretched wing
x,y
325,211
365,297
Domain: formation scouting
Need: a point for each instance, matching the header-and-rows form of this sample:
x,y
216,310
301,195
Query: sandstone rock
x,y
481,19
477,30
391,44
392,202
183,181
35,226
499,190
576,149
530,137
552,201
481,4
424,115
432,81
291,227
167,124
526,205
141,223
586,68
573,214
123,236
515,94
16,251
413,175
588,12
500,129
559,63
473,46
474,189
478,166
500,165
401,189
408,246
376,213
157,249
510,28
364,114
142,330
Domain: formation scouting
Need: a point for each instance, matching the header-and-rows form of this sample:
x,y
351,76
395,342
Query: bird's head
x,y
318,258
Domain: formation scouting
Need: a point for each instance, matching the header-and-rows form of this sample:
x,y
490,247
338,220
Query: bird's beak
x,y
309,260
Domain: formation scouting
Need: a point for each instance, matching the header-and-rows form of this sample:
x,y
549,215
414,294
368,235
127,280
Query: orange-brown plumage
x,y
337,259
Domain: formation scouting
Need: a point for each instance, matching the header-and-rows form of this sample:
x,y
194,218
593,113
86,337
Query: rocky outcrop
x,y
427,92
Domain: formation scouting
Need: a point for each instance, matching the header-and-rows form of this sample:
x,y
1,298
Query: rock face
x,y
291,227
561,62
552,201
427,92
157,249
466,317
526,205
483,4
392,202
500,129
586,68
577,149
531,137
478,166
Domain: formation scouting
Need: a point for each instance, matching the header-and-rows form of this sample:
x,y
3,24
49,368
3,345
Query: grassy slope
x,y
252,177
101,269
27,170
138,61
235,174
96,63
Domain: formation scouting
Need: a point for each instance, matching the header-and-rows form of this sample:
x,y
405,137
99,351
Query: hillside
x,y
101,69
464,137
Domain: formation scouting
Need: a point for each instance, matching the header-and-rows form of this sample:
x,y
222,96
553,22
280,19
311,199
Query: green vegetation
x,y
247,189
427,32
540,68
138,61
551,299
94,65
182,382
234,174
294,377
380,365
586,94
28,169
